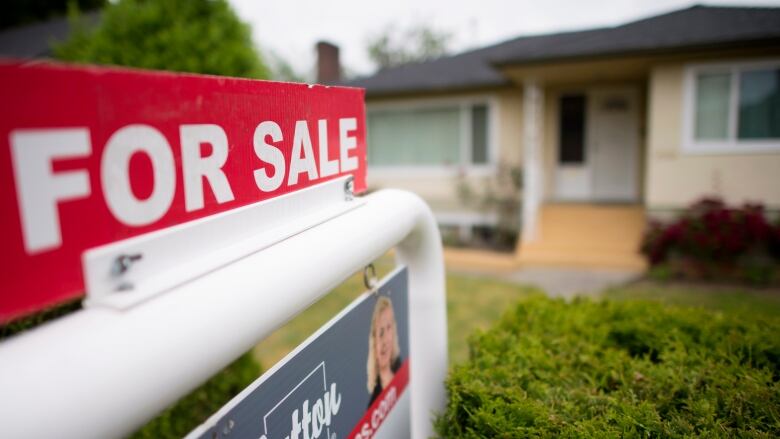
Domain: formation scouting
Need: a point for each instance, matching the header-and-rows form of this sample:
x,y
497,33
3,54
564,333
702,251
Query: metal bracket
x,y
122,274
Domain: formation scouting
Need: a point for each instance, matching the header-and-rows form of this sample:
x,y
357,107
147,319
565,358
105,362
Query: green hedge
x,y
617,369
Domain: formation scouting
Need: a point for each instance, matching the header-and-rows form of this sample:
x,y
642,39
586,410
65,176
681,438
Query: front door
x,y
613,143
598,142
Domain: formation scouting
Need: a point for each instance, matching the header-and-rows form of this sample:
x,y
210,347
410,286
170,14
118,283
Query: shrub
x,y
617,369
712,240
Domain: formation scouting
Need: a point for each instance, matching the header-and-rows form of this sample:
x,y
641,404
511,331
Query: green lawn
x,y
729,299
472,303
476,302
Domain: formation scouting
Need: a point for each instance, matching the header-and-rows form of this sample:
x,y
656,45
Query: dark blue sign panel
x,y
348,380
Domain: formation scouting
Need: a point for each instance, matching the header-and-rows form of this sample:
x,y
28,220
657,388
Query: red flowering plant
x,y
713,240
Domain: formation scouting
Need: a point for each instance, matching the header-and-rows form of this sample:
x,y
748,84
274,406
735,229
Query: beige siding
x,y
510,105
440,186
675,178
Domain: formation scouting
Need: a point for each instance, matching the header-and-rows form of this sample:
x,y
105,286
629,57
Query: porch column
x,y
533,105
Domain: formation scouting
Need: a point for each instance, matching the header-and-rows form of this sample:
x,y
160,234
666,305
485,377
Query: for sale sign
x,y
89,156
348,380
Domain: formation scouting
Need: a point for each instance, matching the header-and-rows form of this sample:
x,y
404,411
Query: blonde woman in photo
x,y
384,353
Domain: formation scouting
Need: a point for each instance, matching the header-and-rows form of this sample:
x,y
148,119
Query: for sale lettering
x,y
41,190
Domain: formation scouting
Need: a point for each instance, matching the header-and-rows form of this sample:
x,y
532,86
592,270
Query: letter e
x,y
347,143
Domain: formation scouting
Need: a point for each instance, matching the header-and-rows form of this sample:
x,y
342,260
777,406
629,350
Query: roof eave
x,y
411,92
752,44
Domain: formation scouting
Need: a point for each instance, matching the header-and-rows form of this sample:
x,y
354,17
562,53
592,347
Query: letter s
x,y
269,154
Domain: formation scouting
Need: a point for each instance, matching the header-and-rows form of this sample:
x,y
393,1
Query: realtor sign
x,y
349,380
91,156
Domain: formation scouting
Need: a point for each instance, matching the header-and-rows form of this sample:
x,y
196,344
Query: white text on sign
x,y
40,189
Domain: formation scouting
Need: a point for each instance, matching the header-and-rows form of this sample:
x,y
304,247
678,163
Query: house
x,y
608,125
37,39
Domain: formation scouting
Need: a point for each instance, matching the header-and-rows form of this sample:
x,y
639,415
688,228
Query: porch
x,y
583,163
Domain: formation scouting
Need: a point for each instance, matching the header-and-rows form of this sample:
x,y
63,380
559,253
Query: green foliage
x,y
617,369
28,322
20,12
198,36
195,408
500,195
393,47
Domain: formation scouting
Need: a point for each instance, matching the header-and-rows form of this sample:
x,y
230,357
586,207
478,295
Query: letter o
x,y
115,177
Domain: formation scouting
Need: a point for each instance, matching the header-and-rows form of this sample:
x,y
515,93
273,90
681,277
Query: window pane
x,y
414,137
759,104
479,134
572,130
712,106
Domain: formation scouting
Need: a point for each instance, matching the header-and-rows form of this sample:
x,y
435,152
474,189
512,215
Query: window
x,y
432,135
733,108
572,130
759,104
479,134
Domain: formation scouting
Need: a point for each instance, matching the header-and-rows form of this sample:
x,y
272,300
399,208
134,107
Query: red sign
x,y
95,155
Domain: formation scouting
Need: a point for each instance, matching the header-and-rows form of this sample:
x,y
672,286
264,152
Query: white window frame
x,y
732,145
464,103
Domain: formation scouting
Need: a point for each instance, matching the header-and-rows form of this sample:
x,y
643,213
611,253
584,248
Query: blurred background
x,y
540,134
631,147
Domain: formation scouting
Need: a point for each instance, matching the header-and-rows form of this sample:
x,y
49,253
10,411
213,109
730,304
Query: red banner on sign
x,y
91,156
376,414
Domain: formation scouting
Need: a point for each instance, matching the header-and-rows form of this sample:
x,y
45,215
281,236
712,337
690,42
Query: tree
x,y
280,69
392,47
198,36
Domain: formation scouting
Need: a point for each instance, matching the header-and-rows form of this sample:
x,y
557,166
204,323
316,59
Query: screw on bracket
x,y
349,189
122,264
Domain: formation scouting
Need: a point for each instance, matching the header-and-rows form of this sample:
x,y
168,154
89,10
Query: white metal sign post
x,y
103,372
185,256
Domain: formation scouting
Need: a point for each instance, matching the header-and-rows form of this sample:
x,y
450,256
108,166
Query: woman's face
x,y
384,337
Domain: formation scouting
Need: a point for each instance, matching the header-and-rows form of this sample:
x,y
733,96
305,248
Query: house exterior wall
x,y
441,186
675,178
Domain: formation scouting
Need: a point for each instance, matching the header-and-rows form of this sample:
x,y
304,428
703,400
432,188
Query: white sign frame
x,y
103,372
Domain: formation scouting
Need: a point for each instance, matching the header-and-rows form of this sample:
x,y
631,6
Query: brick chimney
x,y
328,66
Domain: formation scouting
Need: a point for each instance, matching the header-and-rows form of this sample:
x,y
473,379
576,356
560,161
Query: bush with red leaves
x,y
713,237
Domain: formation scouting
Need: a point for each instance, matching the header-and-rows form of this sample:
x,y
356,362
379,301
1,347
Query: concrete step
x,y
583,258
464,259
587,235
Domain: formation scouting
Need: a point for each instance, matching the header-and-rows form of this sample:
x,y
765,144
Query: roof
x,y
693,28
35,40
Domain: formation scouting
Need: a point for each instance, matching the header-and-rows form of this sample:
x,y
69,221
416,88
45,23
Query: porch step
x,y
463,259
591,235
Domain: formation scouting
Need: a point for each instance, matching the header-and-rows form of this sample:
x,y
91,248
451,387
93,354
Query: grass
x,y
730,299
475,302
472,303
